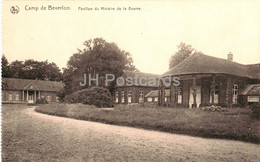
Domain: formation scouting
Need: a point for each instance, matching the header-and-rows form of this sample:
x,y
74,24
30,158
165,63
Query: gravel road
x,y
31,136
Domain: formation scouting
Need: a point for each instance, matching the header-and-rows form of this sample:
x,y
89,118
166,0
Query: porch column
x,y
194,91
213,88
38,94
35,96
23,96
27,96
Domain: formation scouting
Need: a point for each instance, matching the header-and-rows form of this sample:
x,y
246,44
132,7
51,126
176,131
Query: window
x,y
48,98
234,93
129,96
149,99
216,90
123,96
10,96
179,91
141,96
116,97
17,96
155,99
57,99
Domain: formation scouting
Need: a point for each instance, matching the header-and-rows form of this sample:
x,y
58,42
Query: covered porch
x,y
29,96
196,90
31,93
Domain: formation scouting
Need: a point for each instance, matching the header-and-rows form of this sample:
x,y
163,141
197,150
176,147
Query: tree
x,y
183,52
42,70
32,69
98,57
5,67
16,69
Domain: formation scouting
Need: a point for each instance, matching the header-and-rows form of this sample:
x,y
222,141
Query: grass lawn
x,y
234,123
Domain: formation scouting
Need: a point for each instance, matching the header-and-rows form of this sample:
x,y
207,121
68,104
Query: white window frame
x,y
129,96
150,99
10,96
122,96
155,99
216,95
141,96
116,96
179,95
235,93
48,98
17,96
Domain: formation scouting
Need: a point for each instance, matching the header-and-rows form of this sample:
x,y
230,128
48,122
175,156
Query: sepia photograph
x,y
130,81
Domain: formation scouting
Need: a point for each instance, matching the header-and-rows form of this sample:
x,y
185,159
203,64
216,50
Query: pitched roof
x,y
254,70
253,89
129,73
154,93
28,84
137,81
204,64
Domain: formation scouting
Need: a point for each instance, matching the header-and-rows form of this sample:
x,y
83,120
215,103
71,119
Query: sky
x,y
151,35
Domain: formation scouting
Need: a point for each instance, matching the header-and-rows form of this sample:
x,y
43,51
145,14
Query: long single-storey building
x,y
136,92
207,80
28,91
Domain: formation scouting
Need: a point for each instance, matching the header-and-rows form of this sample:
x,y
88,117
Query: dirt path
x,y
40,137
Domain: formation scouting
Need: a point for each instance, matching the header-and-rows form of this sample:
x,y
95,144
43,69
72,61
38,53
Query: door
x,y
30,98
198,96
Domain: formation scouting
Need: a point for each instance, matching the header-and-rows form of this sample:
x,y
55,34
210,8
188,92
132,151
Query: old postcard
x,y
130,80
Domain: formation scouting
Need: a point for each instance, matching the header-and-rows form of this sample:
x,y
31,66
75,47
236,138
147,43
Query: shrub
x,y
255,110
73,98
213,108
41,100
61,94
97,96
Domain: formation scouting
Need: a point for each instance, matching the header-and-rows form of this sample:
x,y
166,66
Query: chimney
x,y
230,56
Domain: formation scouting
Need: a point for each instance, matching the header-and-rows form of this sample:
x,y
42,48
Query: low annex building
x,y
135,93
207,80
28,91
250,95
